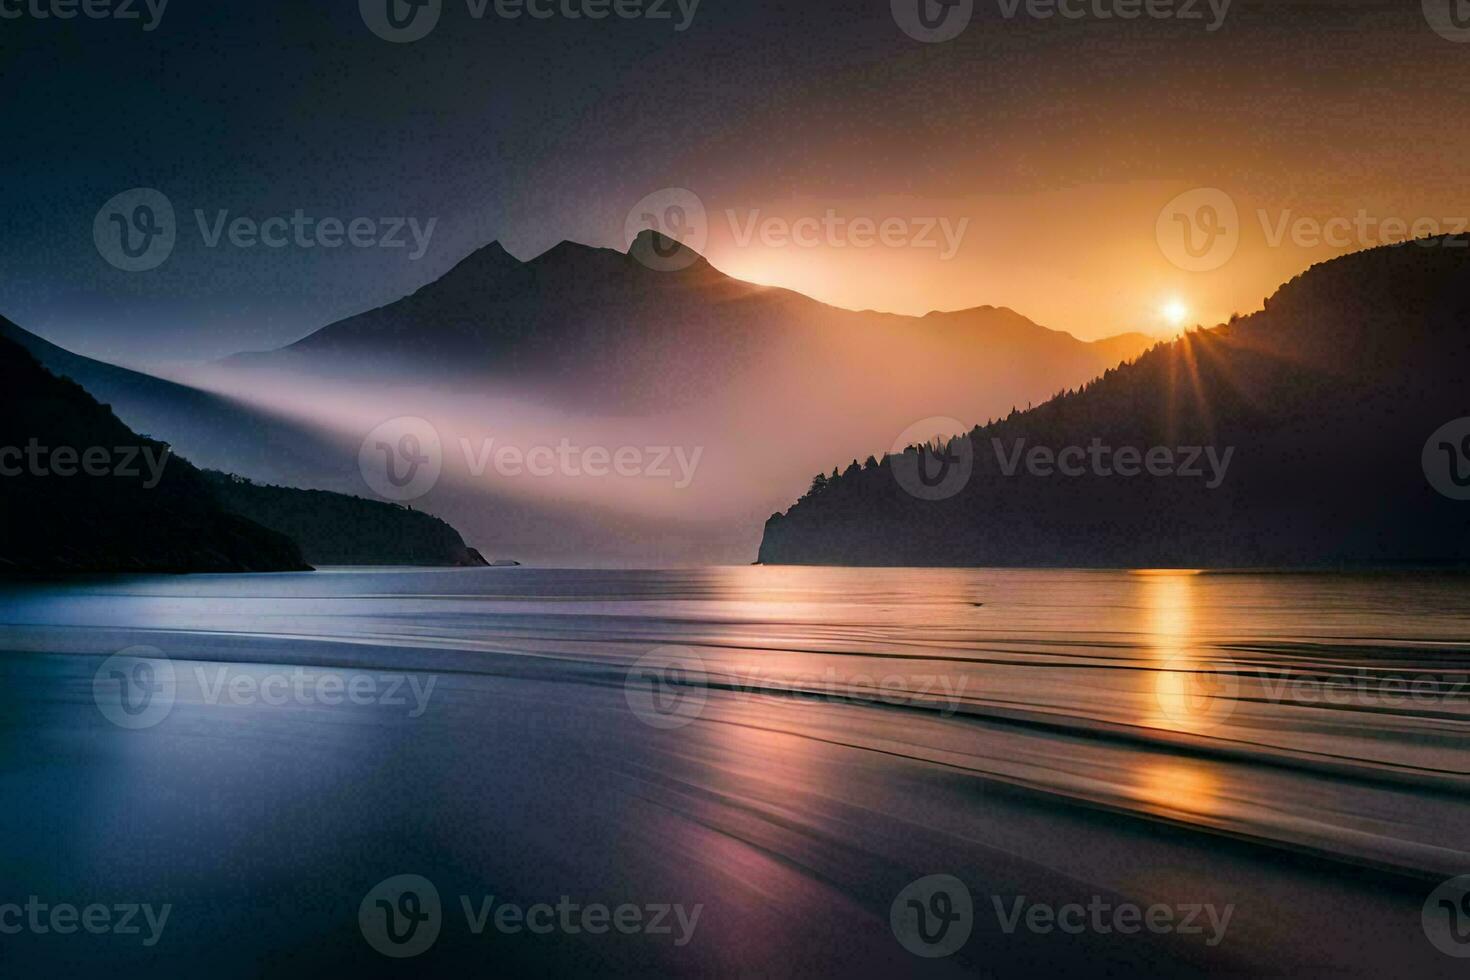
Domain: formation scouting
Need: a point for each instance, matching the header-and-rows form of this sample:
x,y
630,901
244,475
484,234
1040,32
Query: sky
x,y
1096,173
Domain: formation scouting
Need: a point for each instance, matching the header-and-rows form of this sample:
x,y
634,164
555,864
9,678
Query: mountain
x,y
1315,425
329,528
336,529
215,431
606,349
611,331
81,492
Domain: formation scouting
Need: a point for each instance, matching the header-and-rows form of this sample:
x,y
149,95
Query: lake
x,y
770,771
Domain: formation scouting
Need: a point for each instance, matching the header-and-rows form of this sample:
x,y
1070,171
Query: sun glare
x,y
1175,313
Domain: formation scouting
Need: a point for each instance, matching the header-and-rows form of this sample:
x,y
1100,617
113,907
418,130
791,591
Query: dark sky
x,y
533,131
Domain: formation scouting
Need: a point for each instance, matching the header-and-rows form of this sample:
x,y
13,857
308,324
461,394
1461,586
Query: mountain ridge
x,y
493,265
329,527
592,344
1326,395
64,517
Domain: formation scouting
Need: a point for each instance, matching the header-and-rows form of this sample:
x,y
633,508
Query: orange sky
x,y
1092,260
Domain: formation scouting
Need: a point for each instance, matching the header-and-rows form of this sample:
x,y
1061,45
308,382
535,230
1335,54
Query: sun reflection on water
x,y
1192,692
1178,785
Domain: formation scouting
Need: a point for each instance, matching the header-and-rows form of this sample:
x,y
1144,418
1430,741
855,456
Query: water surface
x,y
795,746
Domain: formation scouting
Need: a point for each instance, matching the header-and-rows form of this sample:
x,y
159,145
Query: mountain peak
x,y
487,264
658,251
489,260
566,250
493,255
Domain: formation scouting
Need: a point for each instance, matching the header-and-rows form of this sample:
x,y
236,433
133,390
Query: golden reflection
x,y
1191,693
1177,785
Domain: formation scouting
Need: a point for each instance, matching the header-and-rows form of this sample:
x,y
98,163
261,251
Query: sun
x,y
1175,313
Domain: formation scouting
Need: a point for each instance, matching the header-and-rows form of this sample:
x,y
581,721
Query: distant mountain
x,y
594,346
329,528
80,492
336,529
606,348
1306,424
611,331
216,432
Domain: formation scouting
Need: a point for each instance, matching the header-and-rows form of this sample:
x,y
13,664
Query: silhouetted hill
x,y
330,528
80,492
214,431
336,529
1324,401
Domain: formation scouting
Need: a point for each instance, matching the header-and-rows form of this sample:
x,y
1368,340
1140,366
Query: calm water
x,y
785,750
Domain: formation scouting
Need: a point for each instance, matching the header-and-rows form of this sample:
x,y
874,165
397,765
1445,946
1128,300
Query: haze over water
x,y
802,744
